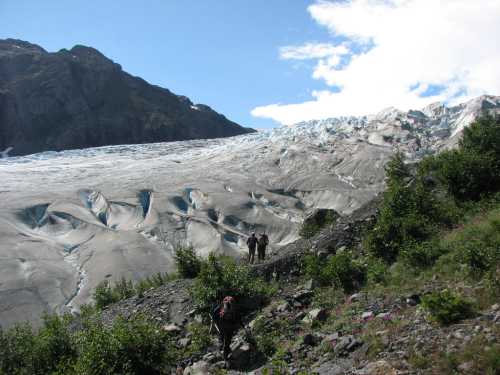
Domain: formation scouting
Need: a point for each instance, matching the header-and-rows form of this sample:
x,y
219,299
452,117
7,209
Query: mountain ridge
x,y
79,98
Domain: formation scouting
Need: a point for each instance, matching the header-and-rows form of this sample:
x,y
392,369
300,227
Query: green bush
x,y
476,244
421,255
376,270
128,347
479,257
200,337
265,338
472,171
188,263
106,294
467,175
310,227
17,355
446,307
221,276
58,348
339,270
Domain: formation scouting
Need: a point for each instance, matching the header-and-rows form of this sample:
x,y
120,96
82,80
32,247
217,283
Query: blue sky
x,y
269,62
218,52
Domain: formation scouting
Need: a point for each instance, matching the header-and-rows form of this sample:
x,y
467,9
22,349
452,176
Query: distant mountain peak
x,y
80,98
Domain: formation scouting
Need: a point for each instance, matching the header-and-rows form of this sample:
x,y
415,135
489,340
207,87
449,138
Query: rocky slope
x,y
322,331
79,98
69,220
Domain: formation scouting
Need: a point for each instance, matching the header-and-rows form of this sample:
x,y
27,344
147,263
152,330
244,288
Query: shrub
x,y
17,356
312,225
154,281
128,347
446,307
188,263
200,337
339,271
376,270
54,346
421,255
473,170
221,276
106,294
476,244
483,137
478,256
265,338
467,175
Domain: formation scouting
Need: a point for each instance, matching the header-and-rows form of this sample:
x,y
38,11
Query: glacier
x,y
71,219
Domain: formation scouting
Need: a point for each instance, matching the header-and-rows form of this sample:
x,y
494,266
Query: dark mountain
x,y
79,98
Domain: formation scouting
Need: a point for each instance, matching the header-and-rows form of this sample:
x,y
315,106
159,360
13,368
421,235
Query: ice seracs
x,y
71,219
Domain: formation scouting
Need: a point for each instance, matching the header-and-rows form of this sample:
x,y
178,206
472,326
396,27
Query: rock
x,y
353,345
209,357
283,307
198,368
310,339
329,368
495,307
300,315
367,315
377,368
465,367
310,284
171,328
314,315
303,296
331,337
241,355
183,343
413,300
355,297
384,316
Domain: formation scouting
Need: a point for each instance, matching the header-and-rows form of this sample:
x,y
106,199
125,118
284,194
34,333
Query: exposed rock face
x,y
79,98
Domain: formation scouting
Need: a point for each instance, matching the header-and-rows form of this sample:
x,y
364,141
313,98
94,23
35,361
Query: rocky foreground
x,y
375,331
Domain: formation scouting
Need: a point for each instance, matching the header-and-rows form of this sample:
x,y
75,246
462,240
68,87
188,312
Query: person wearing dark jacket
x,y
228,320
252,244
261,246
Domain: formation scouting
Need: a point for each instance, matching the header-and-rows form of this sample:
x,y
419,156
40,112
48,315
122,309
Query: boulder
x,y
314,315
367,315
198,368
377,368
303,296
174,328
241,356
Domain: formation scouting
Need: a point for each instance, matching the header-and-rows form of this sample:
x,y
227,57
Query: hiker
x,y
252,244
228,321
262,245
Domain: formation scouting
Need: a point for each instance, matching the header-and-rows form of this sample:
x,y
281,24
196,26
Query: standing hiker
x,y
261,246
228,321
252,244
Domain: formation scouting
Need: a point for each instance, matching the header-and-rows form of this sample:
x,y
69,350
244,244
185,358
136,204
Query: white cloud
x,y
312,51
397,50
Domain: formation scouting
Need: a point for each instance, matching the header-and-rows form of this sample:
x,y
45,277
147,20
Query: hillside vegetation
x,y
419,294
